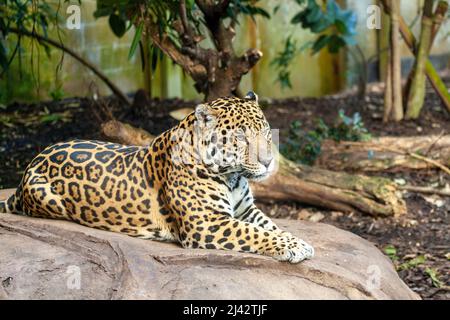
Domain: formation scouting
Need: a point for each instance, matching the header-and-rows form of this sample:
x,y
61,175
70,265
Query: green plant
x,y
349,128
53,117
25,16
434,276
5,120
33,20
391,252
302,146
57,93
305,147
412,263
178,28
335,27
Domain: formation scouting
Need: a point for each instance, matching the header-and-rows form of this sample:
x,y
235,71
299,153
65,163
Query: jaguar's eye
x,y
240,136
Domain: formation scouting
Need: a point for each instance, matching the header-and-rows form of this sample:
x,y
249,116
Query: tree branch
x,y
222,36
188,35
248,61
77,57
196,70
211,9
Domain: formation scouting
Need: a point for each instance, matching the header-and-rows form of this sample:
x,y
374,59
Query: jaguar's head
x,y
235,137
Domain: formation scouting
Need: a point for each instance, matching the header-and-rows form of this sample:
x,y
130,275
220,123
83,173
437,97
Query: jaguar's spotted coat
x,y
197,195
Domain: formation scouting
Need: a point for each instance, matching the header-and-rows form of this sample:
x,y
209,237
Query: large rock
x,y
48,259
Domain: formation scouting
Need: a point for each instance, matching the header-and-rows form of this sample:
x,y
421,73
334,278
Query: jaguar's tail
x,y
13,204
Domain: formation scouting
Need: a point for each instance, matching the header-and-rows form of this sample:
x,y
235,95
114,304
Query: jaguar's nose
x,y
266,161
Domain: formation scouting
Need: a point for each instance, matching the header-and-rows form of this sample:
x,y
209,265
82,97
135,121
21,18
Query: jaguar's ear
x,y
252,96
204,115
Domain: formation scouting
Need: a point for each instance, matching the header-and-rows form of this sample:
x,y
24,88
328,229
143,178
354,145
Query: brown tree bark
x,y
216,71
387,110
396,69
294,182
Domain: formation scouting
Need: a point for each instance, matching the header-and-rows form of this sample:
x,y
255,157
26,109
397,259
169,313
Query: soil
x,y
26,129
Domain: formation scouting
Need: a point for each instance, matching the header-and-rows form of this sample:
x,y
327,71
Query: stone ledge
x,y
39,258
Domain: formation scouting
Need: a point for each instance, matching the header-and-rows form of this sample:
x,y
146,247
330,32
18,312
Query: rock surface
x,y
49,259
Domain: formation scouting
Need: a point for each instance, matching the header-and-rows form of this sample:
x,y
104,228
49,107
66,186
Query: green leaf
x,y
314,15
335,44
53,117
321,42
412,263
155,53
341,26
276,8
433,274
260,11
117,24
298,18
136,39
3,27
47,50
320,25
390,250
332,9
3,57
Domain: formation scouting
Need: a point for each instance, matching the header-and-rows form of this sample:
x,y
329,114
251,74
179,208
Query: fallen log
x,y
387,153
314,186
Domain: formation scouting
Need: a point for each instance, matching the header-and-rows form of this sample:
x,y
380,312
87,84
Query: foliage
x,y
339,25
349,128
300,146
410,264
284,58
26,16
57,93
45,116
336,28
391,252
334,25
305,147
123,15
434,276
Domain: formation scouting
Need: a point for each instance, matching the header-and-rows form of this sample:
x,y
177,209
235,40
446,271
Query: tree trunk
x,y
216,70
383,44
293,182
397,104
437,83
387,110
416,94
438,18
386,153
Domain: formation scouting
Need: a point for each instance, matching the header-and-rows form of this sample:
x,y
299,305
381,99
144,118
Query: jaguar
x,y
189,185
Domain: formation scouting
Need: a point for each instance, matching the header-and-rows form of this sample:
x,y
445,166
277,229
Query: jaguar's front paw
x,y
294,251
